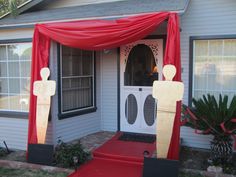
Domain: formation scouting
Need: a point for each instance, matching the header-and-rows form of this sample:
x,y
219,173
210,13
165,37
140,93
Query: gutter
x,y
31,24
185,7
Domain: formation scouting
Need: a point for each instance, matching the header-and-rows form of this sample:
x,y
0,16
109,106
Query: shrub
x,y
2,152
65,154
218,118
212,116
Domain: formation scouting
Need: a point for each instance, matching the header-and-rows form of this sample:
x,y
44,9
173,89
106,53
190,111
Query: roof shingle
x,y
96,10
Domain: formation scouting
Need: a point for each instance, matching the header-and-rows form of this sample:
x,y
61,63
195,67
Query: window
x,y
15,62
77,81
141,69
214,67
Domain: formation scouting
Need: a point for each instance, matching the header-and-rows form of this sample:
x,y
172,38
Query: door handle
x,y
140,89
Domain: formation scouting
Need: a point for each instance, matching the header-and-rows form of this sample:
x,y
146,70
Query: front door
x,y
140,65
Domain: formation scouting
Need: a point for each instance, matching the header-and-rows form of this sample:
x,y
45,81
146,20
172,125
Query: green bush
x,y
66,153
2,152
215,116
212,115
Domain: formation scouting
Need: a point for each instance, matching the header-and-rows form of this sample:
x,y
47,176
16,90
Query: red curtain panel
x,y
104,34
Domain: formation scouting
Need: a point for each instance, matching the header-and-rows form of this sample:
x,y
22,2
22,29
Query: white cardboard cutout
x,y
43,89
167,93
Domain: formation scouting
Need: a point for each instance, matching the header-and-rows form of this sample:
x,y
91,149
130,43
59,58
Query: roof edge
x,y
28,6
186,6
31,24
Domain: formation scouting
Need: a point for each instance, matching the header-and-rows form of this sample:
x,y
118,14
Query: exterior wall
x,y
72,128
213,17
191,139
69,3
109,90
109,95
15,130
16,34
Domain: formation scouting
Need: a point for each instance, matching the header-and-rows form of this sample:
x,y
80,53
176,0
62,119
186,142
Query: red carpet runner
x,y
116,159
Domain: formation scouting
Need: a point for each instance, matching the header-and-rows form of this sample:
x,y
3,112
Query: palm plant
x,y
218,118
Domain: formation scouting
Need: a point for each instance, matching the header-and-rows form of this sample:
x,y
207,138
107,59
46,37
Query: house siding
x,y
15,130
72,128
212,17
22,33
109,90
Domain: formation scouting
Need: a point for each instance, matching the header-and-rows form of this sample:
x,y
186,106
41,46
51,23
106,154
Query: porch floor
x,y
95,140
116,158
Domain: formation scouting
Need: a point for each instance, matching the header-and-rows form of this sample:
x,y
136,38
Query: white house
x,y
103,90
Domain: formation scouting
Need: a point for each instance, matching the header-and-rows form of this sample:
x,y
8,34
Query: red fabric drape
x,y
98,35
172,56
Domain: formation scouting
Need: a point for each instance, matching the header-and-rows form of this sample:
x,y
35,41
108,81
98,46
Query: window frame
x,y
15,114
191,56
80,111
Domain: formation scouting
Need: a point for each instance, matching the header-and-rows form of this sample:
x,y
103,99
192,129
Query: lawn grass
x,y
185,174
7,172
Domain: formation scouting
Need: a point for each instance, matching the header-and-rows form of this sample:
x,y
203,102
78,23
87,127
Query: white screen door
x,y
140,63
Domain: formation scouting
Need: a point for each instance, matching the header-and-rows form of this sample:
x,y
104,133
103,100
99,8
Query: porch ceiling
x,y
104,10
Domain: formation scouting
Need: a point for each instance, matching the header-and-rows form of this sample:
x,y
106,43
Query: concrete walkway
x,y
90,143
95,140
